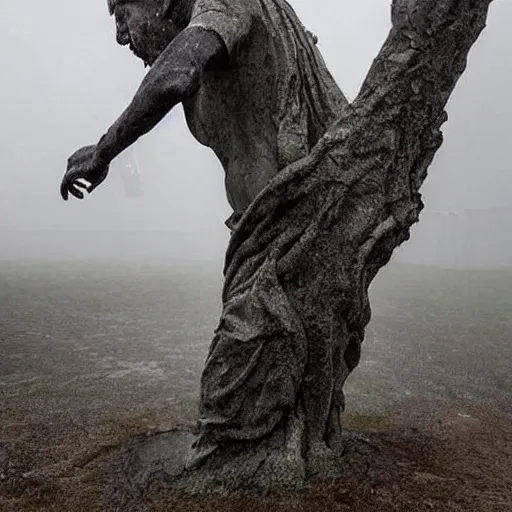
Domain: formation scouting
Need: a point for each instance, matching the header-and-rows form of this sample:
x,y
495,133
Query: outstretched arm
x,y
174,77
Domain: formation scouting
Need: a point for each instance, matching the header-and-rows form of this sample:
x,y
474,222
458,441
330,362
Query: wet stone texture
x,y
304,251
322,194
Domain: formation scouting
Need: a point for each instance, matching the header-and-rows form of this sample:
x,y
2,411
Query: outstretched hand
x,y
86,165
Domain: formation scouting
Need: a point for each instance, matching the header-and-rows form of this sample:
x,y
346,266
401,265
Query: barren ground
x,y
93,356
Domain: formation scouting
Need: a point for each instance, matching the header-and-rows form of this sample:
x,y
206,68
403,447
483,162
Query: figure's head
x,y
144,26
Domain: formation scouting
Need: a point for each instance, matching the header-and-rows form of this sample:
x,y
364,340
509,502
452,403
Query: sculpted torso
x,y
233,113
252,83
258,112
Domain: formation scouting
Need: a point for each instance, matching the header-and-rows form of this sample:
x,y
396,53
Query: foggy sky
x,y
65,80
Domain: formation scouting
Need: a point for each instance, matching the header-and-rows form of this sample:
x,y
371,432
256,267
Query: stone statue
x,y
322,192
254,88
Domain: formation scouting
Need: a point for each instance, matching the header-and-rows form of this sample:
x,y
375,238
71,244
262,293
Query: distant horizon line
x,y
215,261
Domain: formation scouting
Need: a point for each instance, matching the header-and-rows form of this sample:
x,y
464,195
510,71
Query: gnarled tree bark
x,y
300,261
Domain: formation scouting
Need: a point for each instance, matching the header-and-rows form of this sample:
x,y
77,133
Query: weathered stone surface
x,y
302,257
322,193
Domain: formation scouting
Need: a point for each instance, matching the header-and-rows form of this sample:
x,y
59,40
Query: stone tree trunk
x,y
299,263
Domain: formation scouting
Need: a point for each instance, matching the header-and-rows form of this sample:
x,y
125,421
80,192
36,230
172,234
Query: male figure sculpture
x,y
255,89
253,85
322,193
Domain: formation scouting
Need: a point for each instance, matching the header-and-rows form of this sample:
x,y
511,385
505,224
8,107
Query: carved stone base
x,y
265,466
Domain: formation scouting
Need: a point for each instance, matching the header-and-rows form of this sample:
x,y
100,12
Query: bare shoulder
x,y
232,20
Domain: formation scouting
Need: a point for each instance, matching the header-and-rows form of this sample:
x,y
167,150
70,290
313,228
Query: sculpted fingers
x,y
64,186
84,172
68,185
99,179
76,191
96,183
81,184
64,191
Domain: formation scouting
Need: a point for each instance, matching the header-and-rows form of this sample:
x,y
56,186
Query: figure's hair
x,y
167,5
112,6
179,11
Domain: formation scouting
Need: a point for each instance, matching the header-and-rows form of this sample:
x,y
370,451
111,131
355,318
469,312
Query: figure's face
x,y
140,24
